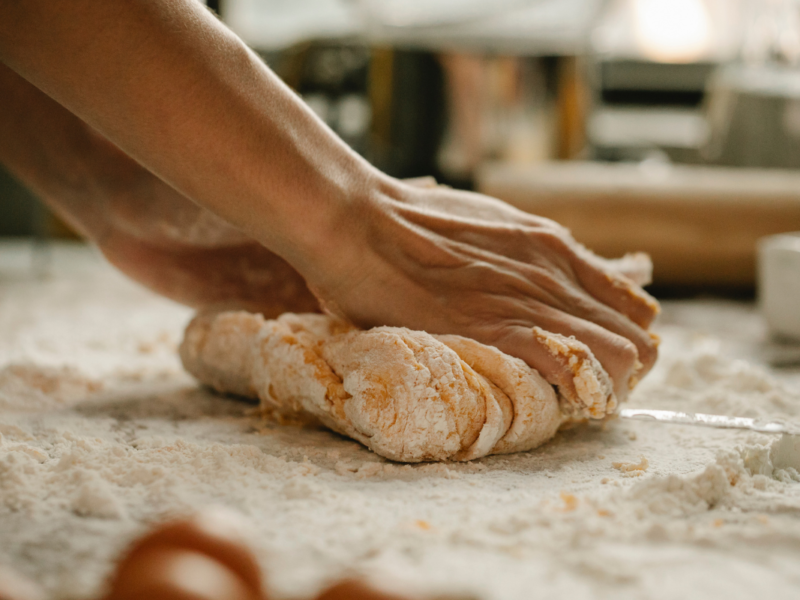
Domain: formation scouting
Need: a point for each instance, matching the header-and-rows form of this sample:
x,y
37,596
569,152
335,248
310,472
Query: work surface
x,y
102,434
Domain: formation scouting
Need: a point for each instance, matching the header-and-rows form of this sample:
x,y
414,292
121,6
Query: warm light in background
x,y
672,30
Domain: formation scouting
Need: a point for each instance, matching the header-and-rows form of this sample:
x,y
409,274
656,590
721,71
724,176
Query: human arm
x,y
185,98
144,227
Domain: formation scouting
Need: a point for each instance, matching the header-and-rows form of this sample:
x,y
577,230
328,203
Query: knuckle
x,y
556,238
648,352
628,352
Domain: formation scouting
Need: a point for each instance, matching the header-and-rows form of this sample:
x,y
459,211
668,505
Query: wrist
x,y
330,243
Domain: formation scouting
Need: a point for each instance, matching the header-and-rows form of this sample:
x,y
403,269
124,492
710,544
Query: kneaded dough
x,y
407,395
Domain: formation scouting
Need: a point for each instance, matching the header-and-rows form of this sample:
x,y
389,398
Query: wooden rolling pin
x,y
699,224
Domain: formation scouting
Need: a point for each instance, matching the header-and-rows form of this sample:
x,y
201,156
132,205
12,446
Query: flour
x,y
725,483
31,387
102,435
704,380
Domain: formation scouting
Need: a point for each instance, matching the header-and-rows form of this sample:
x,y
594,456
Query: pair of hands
x,y
203,111
420,256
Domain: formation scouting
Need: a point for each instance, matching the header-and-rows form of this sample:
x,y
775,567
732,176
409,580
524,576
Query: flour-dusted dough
x,y
407,395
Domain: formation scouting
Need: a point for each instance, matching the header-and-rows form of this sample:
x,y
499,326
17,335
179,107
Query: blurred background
x,y
668,126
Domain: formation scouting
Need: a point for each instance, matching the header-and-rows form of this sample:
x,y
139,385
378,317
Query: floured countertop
x,y
102,434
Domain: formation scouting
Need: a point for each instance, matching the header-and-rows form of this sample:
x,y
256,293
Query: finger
x,y
636,266
425,182
584,388
605,280
554,311
557,254
541,298
591,310
616,290
618,356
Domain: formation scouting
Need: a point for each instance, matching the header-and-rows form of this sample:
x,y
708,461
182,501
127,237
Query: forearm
x,y
51,151
144,227
182,95
88,181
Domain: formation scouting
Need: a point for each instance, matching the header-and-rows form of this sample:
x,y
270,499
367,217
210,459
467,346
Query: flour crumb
x,y
145,348
369,469
300,488
96,499
344,468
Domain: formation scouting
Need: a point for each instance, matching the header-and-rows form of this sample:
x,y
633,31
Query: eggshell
x,y
169,573
356,590
212,533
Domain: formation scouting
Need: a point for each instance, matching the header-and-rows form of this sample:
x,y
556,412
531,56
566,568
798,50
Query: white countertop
x,y
101,434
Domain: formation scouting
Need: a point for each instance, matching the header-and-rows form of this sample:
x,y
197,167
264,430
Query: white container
x,y
779,283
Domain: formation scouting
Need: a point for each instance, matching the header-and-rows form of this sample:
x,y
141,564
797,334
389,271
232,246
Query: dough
x,y
407,395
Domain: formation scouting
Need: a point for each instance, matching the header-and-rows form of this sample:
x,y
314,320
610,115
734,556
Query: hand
x,y
145,227
164,241
447,261
636,266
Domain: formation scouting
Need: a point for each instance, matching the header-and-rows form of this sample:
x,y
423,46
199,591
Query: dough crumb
x,y
95,498
570,502
632,469
369,469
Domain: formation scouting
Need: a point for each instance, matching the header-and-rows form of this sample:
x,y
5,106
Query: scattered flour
x,y
101,435
701,378
31,387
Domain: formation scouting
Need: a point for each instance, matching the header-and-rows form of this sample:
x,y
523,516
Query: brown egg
x,y
169,573
355,590
213,533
